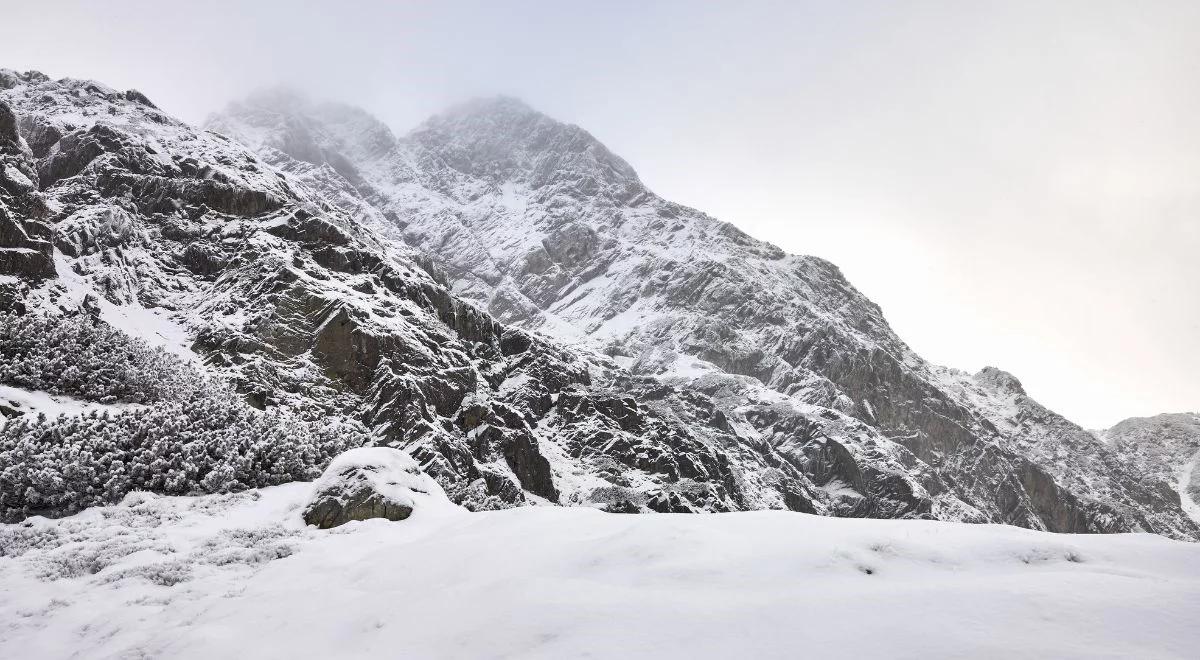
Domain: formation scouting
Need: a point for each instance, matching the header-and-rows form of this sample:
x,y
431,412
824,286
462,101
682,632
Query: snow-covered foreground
x,y
240,576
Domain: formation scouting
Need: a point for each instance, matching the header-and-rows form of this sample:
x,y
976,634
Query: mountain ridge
x,y
531,323
515,296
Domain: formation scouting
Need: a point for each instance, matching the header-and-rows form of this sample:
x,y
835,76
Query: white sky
x,y
1016,184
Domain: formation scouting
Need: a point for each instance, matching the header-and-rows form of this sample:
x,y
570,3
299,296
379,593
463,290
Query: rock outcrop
x,y
25,248
1165,451
370,482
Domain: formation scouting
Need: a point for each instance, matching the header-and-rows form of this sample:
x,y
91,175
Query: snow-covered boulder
x,y
371,482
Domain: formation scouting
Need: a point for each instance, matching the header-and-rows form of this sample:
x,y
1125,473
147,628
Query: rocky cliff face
x,y
499,294
277,280
540,224
1166,450
25,252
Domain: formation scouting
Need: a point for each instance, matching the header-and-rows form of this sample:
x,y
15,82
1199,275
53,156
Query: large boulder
x,y
371,482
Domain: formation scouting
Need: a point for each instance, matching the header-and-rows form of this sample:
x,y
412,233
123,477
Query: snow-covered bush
x,y
81,357
193,435
210,442
473,496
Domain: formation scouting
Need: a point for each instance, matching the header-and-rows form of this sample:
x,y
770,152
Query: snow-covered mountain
x,y
540,224
186,239
501,296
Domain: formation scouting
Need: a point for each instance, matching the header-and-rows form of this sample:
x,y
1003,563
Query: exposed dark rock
x,y
367,483
138,97
571,245
25,249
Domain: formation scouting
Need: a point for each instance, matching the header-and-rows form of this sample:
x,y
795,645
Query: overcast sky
x,y
1015,184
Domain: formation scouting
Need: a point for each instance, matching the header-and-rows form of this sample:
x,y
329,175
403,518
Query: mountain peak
x,y
289,120
502,138
504,117
999,380
491,106
277,98
10,78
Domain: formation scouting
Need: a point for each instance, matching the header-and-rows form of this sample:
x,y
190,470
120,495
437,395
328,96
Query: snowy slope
x,y
540,223
239,576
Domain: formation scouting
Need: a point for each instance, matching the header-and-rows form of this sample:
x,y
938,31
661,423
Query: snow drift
x,y
241,576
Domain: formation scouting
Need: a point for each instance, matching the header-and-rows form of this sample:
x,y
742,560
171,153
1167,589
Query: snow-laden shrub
x,y
78,356
474,496
193,434
210,442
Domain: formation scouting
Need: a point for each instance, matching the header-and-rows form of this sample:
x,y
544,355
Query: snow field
x,y
240,576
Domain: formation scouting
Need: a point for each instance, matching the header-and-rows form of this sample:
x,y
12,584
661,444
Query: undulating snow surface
x,y
228,576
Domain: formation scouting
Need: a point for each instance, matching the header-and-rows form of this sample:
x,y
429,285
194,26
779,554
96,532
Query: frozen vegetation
x,y
86,358
195,435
